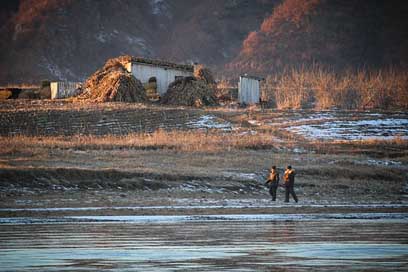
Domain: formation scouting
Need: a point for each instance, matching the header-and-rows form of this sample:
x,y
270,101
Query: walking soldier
x,y
289,182
273,182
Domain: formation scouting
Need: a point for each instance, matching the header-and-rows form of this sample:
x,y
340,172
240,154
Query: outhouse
x,y
249,91
64,89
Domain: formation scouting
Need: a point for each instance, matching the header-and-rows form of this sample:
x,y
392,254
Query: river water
x,y
331,242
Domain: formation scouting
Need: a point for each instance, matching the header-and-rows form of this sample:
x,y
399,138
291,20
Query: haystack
x,y
45,92
5,94
113,83
28,94
189,91
202,73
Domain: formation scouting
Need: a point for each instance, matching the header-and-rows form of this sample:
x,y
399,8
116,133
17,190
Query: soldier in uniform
x,y
273,182
289,183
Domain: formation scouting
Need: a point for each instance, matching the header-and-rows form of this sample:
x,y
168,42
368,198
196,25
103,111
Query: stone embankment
x,y
65,122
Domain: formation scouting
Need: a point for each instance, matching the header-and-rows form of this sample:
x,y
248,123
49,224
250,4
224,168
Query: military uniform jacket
x,y
289,177
273,179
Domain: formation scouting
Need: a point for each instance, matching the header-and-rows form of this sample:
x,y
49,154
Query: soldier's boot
x,y
286,194
294,196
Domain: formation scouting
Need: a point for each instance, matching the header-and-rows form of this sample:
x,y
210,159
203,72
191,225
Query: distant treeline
x,y
324,89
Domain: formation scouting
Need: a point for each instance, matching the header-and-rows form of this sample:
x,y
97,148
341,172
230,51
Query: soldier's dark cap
x,y
289,167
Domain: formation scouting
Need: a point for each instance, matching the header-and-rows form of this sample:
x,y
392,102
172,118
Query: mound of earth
x,y
189,91
113,83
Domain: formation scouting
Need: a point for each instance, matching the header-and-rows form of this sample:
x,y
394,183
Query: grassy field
x,y
215,155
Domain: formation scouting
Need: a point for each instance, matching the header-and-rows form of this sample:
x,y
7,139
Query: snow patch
x,y
379,162
210,122
136,40
254,122
317,116
299,117
52,68
355,130
159,7
241,176
104,37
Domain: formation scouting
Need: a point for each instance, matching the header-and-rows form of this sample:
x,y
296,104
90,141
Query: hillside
x,y
335,34
69,39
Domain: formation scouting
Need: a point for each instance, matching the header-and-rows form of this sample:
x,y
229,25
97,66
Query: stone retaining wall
x,y
54,122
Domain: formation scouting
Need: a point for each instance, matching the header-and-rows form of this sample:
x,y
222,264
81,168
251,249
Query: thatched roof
x,y
162,63
252,77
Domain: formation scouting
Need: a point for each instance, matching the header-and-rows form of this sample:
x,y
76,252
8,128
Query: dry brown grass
x,y
397,141
390,148
175,140
324,89
20,86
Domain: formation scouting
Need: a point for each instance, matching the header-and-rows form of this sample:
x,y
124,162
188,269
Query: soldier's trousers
x,y
272,191
290,190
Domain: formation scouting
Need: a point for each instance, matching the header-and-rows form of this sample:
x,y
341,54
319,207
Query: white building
x,y
63,89
249,91
164,72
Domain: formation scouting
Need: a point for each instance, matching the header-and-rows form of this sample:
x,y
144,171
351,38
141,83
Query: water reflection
x,y
207,246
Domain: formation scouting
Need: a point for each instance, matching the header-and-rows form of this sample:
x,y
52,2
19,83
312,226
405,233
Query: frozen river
x,y
316,242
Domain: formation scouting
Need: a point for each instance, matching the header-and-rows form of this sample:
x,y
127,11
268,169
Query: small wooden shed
x,y
249,91
162,72
64,89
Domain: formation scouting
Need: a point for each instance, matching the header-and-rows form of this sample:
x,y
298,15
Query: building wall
x,y
164,76
62,89
248,90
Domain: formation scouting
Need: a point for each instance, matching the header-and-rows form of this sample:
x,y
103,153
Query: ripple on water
x,y
226,245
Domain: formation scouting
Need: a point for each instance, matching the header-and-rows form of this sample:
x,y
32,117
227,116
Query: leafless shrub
x,y
290,90
323,89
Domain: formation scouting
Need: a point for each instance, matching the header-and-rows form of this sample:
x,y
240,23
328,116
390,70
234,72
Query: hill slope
x,y
338,34
66,39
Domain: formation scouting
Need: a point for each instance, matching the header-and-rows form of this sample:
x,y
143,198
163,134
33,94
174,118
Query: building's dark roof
x,y
252,77
165,64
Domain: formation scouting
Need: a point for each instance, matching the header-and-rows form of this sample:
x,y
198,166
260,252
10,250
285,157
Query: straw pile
x,y
45,92
189,91
5,94
202,73
28,94
113,83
